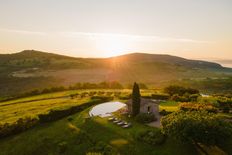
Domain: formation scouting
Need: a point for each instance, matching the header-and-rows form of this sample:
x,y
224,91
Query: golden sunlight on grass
x,y
73,128
101,121
211,150
119,142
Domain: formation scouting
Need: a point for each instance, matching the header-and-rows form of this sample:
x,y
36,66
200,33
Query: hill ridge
x,y
138,55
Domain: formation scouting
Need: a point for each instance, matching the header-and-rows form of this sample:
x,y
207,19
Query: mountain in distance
x,y
225,62
39,69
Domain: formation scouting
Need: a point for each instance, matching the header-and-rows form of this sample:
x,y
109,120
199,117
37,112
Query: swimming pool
x,y
105,109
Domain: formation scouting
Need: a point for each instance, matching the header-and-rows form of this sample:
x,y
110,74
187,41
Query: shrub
x,y
124,97
20,125
179,90
74,95
103,148
194,97
164,112
93,153
151,136
185,98
145,118
198,127
84,137
146,96
62,147
226,109
69,118
225,104
160,96
102,98
197,106
175,97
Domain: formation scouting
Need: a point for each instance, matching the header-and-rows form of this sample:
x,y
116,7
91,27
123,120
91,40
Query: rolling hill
x,y
31,69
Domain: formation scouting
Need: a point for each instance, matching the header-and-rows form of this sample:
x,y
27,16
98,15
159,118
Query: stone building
x,y
146,106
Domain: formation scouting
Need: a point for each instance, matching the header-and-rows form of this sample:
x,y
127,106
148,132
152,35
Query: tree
x,y
175,89
135,100
197,127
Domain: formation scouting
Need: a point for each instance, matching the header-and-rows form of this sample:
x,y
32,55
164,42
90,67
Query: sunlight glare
x,y
111,45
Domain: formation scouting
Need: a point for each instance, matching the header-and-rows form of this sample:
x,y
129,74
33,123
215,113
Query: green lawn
x,y
66,135
169,106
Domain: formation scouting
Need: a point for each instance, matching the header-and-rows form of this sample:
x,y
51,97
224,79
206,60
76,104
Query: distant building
x,y
146,106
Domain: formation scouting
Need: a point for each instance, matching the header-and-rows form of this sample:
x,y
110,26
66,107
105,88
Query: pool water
x,y
105,109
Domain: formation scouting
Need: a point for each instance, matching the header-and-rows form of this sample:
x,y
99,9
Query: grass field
x,y
169,106
66,135
11,111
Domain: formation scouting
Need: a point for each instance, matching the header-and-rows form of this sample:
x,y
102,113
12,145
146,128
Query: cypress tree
x,y
135,100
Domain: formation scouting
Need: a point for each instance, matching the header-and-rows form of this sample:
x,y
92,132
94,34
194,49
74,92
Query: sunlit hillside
x,y
40,70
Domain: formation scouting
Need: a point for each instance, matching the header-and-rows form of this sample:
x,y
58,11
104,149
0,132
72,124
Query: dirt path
x,y
156,123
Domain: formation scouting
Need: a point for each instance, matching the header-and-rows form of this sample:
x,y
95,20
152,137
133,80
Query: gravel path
x,y
156,123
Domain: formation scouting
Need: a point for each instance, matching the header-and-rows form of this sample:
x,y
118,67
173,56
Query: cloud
x,y
23,32
128,37
106,36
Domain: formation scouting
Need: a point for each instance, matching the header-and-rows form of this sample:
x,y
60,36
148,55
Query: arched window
x,y
148,109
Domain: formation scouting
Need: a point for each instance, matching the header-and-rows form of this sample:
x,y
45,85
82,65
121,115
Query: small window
x,y
148,109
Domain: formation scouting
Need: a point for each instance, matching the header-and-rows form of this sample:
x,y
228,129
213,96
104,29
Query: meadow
x,y
12,110
169,106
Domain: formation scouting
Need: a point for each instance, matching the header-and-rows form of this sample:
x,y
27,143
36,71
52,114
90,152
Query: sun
x,y
111,45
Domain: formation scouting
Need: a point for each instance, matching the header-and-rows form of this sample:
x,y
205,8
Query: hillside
x,y
31,69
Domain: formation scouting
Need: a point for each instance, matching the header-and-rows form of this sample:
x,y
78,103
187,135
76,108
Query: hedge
x,y
197,107
20,125
160,96
60,113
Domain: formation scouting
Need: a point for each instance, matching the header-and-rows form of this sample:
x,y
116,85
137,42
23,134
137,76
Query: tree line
x,y
84,85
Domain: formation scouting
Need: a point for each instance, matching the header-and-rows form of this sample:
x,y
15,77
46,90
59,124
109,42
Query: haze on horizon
x,y
103,28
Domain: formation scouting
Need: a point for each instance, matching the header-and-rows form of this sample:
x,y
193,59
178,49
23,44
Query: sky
x,y
198,29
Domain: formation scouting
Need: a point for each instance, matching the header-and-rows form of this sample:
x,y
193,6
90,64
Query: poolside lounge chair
x,y
111,118
116,120
121,123
127,125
